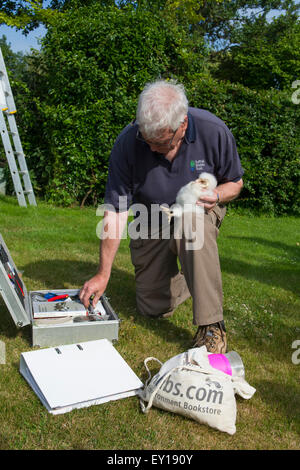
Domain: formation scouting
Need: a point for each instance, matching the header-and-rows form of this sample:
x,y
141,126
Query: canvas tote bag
x,y
188,385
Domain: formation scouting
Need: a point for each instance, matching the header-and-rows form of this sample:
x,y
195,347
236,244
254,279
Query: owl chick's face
x,y
204,183
199,186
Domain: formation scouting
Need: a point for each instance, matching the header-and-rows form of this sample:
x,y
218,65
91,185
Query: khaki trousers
x,y
161,286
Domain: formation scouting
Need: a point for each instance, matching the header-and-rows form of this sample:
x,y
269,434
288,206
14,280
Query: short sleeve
x,y
229,165
118,191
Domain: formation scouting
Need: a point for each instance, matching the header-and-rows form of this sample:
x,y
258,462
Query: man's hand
x,y
114,223
95,286
208,202
223,193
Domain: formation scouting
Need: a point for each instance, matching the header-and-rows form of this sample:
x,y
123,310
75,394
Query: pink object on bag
x,y
229,363
220,362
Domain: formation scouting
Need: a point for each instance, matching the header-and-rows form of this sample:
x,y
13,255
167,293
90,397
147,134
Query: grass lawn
x,y
58,248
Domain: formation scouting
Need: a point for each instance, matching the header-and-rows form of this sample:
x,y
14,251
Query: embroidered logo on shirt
x,y
197,165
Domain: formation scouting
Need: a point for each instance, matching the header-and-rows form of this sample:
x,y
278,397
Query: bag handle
x,y
148,359
194,368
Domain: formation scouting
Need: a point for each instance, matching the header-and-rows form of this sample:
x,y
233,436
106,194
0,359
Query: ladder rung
x,y
13,153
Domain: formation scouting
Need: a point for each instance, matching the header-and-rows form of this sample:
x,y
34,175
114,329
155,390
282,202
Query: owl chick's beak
x,y
203,182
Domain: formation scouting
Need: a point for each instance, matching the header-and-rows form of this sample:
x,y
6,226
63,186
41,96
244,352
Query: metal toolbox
x,y
53,332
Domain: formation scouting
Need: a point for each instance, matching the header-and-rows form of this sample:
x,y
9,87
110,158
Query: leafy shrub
x,y
94,63
265,125
83,87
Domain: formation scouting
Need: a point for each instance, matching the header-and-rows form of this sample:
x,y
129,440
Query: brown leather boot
x,y
213,337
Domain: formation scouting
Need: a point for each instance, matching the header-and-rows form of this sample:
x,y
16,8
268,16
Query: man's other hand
x,y
95,286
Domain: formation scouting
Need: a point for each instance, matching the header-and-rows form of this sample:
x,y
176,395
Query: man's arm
x,y
113,226
223,193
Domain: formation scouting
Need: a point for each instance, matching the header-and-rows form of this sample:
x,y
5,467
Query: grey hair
x,y
162,105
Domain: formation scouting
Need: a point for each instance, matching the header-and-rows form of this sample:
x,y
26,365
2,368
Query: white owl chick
x,y
190,193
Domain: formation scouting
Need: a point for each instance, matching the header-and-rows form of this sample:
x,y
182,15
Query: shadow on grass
x,y
4,443
60,274
284,398
7,326
280,273
66,274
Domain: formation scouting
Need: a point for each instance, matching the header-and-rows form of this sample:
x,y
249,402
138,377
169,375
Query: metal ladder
x,y
11,141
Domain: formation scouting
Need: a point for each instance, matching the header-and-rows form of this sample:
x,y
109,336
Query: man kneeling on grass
x,y
167,146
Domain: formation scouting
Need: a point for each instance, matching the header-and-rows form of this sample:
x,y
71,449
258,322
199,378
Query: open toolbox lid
x,y
12,288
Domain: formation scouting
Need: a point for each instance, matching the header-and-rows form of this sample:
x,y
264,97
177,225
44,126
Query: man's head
x,y
162,109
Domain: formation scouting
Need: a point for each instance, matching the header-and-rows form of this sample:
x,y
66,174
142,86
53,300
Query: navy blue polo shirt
x,y
147,177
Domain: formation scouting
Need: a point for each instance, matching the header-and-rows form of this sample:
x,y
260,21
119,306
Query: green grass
x,y
58,248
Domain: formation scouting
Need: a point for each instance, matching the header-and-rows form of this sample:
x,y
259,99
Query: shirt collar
x,y
190,134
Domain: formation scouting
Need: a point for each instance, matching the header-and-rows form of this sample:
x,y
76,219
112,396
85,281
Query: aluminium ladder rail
x,y
12,146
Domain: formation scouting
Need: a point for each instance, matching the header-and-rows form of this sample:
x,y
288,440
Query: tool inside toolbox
x,y
53,305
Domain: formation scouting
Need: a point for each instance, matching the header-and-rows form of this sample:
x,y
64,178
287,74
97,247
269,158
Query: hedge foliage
x,y
85,85
94,63
265,125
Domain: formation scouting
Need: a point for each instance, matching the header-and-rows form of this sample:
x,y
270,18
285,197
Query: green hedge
x,y
84,89
93,65
265,125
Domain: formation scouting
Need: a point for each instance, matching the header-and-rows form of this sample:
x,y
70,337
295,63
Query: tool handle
x,y
58,297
